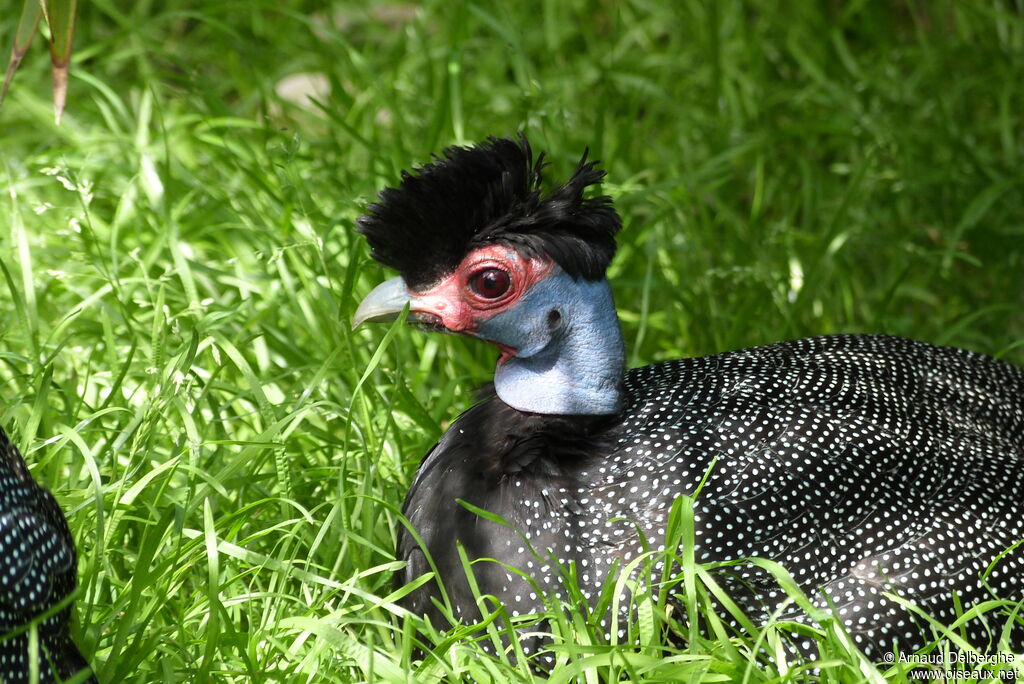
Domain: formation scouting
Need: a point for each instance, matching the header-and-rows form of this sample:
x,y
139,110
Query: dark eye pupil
x,y
490,283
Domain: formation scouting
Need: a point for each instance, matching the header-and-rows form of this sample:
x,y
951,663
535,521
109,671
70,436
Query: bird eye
x,y
490,283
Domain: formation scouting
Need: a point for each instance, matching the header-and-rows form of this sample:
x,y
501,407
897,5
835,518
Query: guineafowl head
x,y
484,251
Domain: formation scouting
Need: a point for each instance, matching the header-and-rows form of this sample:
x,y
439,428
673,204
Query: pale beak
x,y
384,303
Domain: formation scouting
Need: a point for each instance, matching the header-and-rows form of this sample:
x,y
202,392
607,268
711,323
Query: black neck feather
x,y
518,442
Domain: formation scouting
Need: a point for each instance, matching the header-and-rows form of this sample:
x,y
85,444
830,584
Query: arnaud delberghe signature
x,y
954,657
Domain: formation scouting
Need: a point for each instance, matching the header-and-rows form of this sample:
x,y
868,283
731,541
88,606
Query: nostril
x,y
554,319
426,321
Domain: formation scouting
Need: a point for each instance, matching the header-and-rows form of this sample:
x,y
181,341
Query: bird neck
x,y
579,368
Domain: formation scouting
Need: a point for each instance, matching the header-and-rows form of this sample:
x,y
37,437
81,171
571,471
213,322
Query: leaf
x,y
31,10
60,16
373,663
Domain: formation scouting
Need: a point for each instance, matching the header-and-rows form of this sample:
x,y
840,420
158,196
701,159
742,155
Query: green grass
x,y
179,272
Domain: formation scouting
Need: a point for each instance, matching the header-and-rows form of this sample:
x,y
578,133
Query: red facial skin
x,y
461,310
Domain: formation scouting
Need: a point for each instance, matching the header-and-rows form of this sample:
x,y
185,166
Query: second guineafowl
x,y
38,568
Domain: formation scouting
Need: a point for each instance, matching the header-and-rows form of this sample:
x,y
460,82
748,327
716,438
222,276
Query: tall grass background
x,y
179,271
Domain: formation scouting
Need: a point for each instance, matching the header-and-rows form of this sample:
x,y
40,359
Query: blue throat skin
x,y
570,357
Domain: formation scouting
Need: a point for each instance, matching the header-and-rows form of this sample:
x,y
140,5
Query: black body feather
x,y
863,464
38,566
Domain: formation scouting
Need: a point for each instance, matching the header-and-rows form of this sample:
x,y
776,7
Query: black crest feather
x,y
490,193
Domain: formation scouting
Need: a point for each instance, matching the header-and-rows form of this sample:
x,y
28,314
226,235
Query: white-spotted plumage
x,y
862,464
38,566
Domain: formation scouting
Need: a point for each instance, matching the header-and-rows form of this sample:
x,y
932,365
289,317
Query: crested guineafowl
x,y
864,464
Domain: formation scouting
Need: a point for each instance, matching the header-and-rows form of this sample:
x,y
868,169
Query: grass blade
x,y
31,11
60,16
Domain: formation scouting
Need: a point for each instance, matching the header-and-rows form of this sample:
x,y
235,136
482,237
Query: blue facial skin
x,y
569,352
